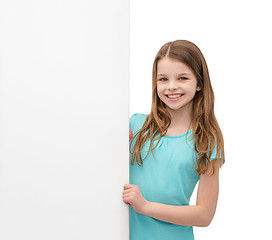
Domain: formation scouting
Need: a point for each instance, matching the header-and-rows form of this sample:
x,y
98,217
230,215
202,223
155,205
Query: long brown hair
x,y
206,131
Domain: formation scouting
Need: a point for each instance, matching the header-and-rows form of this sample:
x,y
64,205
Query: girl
x,y
186,143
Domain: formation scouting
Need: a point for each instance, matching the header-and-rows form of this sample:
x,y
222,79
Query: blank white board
x,y
64,110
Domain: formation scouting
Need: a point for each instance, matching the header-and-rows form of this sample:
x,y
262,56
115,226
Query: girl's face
x,y
175,77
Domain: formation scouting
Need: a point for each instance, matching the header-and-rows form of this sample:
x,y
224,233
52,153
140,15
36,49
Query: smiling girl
x,y
187,146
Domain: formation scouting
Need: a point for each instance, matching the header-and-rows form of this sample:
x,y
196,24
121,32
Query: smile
x,y
174,97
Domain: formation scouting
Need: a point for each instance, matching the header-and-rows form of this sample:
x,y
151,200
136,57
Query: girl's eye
x,y
182,78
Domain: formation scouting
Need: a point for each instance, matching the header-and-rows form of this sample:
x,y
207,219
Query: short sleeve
x,y
213,155
132,121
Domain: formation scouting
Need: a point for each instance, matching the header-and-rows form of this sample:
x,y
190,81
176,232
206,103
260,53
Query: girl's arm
x,y
200,214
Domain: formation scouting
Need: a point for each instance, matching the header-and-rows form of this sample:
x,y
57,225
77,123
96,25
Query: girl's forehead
x,y
166,66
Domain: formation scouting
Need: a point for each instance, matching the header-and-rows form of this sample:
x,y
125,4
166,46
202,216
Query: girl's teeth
x,y
174,96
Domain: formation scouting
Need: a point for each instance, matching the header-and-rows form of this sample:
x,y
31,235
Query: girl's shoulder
x,y
139,116
137,120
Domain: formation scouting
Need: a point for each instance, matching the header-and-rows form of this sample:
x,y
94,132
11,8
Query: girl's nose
x,y
172,86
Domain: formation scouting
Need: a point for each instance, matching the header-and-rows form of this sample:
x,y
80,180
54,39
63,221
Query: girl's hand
x,y
130,134
133,196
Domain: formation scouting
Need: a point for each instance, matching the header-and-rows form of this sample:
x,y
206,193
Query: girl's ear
x,y
198,88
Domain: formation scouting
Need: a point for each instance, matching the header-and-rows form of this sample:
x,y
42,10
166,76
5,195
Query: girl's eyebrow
x,y
162,74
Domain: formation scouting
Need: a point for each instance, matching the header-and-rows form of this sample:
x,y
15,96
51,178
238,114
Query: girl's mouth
x,y
174,97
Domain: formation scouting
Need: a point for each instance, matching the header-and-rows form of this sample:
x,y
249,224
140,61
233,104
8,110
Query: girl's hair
x,y
206,131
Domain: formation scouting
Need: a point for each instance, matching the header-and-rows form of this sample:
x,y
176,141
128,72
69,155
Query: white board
x,y
64,109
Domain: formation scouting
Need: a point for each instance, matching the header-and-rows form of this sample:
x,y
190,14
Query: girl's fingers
x,y
130,134
128,186
127,191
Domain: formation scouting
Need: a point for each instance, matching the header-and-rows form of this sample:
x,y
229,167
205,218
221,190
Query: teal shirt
x,y
169,179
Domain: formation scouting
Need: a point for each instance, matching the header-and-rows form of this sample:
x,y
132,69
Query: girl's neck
x,y
180,119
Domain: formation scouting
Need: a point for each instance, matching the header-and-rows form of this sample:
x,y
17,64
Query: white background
x,y
235,38
64,81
